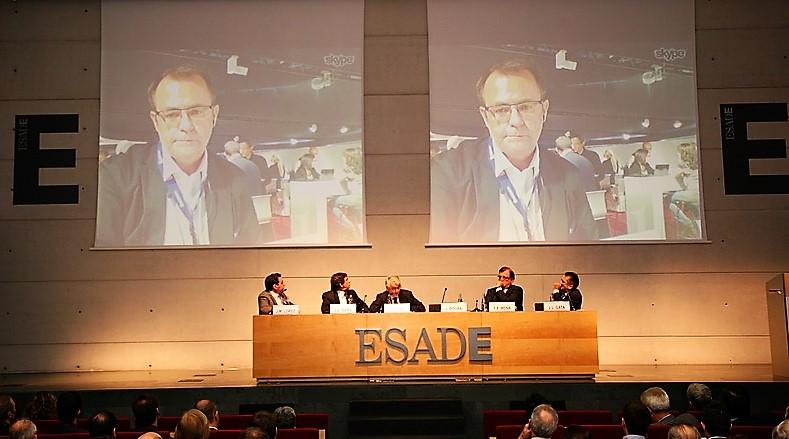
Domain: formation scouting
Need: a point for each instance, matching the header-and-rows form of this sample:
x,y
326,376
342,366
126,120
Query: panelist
x,y
505,291
567,290
395,294
175,192
274,294
341,288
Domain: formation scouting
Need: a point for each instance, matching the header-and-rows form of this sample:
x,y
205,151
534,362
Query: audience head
x,y
781,431
656,400
337,281
636,418
544,421
577,432
266,422
641,156
151,435
715,419
232,148
69,406
578,144
210,409
102,425
246,150
683,431
42,406
22,429
253,433
7,410
738,401
698,395
285,416
146,411
193,425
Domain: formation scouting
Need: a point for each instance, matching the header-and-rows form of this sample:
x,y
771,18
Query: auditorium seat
x,y
585,417
224,434
508,431
314,420
752,431
606,431
492,418
46,426
234,422
658,431
124,423
62,435
168,423
298,433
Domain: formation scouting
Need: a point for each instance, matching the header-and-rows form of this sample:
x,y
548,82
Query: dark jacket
x,y
405,296
330,297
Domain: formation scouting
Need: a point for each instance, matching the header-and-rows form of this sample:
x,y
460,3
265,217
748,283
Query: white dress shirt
x,y
525,183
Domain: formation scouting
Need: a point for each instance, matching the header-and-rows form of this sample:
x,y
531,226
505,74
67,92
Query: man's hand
x,y
526,433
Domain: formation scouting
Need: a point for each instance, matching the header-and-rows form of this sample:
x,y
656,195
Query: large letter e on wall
x,y
29,158
738,149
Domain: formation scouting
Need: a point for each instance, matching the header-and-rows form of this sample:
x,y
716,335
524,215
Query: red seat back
x,y
313,420
46,426
62,435
224,434
298,433
124,423
658,431
753,431
234,422
492,418
585,417
606,431
168,423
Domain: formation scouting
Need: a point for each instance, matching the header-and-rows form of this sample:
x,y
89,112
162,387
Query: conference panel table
x,y
464,345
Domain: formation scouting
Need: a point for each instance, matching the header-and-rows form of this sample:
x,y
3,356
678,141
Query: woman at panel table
x,y
341,292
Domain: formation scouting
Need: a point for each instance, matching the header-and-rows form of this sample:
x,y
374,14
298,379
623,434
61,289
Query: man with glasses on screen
x,y
504,188
176,192
505,290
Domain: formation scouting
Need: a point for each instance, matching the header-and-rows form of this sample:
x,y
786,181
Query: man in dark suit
x,y
69,407
567,290
395,294
505,291
341,288
176,192
504,188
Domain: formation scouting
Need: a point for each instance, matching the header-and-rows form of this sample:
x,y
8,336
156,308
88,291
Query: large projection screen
x,y
232,123
565,121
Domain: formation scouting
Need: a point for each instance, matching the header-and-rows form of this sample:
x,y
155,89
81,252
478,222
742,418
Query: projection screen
x,y
566,121
231,123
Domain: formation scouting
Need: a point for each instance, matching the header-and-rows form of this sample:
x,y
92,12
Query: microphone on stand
x,y
364,301
444,295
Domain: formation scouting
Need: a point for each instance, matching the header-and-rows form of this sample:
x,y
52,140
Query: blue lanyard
x,y
174,193
506,187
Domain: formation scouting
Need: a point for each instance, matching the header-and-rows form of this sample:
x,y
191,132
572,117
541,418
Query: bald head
x,y
544,421
210,410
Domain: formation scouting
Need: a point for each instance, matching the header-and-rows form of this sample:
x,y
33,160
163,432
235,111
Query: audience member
x,y
635,420
738,401
152,435
253,433
542,424
69,407
267,422
577,432
193,425
102,425
7,413
285,416
715,420
683,431
579,146
698,395
251,171
248,152
585,168
656,400
781,431
23,429
610,165
43,406
146,413
211,411
305,171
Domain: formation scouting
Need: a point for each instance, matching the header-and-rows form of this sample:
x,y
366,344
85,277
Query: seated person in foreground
x,y
505,291
394,294
567,290
341,288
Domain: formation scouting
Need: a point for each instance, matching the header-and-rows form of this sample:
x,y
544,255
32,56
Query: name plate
x,y
501,306
454,307
286,310
342,308
560,305
397,307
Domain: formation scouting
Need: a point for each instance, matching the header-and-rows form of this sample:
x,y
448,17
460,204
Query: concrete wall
x,y
65,307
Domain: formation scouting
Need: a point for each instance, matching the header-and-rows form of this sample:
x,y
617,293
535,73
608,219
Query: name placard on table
x,y
397,307
454,307
342,308
559,305
285,310
501,306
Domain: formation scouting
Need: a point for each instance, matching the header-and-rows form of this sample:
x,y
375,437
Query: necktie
x,y
284,299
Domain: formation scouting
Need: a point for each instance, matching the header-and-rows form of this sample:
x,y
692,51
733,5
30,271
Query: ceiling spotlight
x,y
626,136
677,124
293,141
322,81
343,129
645,123
313,128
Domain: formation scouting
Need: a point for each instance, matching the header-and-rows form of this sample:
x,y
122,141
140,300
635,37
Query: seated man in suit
x,y
273,295
394,294
505,291
341,286
567,290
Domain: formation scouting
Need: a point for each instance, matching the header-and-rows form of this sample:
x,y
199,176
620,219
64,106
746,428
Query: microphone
x,y
444,295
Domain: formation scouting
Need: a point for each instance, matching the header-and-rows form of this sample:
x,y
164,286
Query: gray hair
x,y
781,431
22,429
286,417
699,395
544,421
656,399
